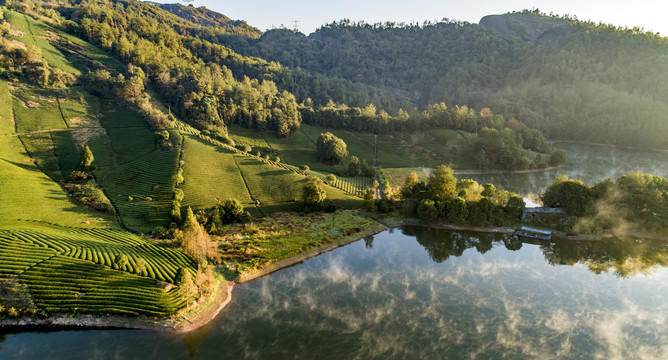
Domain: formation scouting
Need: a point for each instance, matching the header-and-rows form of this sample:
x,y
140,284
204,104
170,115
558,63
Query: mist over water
x,y
589,163
419,293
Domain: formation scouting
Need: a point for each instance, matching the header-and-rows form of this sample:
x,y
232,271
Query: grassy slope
x,y
35,33
278,189
36,109
6,110
28,194
211,173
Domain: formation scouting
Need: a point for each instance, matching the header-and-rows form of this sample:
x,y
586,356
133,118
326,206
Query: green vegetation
x,y
172,133
256,245
459,201
6,110
28,194
330,149
211,176
72,270
636,202
568,70
36,109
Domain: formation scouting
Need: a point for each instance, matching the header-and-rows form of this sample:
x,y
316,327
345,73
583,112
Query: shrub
x,y
79,175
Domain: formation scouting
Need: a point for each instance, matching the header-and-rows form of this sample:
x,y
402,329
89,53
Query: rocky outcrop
x,y
529,27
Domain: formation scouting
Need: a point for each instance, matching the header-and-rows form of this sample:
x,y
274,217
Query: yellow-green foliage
x,y
211,173
278,189
27,193
246,247
6,109
72,270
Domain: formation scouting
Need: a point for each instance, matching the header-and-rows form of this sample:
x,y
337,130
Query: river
x,y
427,293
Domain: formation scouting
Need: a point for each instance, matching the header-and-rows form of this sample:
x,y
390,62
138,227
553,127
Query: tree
x,y
485,209
558,158
426,210
232,211
330,179
330,149
457,211
354,166
408,188
186,285
120,261
313,193
489,190
515,207
369,204
195,241
442,183
140,266
572,195
87,158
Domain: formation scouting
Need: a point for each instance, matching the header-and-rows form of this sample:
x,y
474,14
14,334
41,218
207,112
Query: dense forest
x,y
211,87
568,78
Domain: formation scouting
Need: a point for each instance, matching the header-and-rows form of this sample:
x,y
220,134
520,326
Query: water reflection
x,y
623,257
417,293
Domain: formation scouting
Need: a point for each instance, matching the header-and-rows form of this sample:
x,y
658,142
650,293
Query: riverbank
x,y
299,258
220,296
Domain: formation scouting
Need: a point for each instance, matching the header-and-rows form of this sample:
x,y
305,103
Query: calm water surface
x,y
423,293
420,293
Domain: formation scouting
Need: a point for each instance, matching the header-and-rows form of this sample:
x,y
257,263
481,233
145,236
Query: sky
x,y
311,14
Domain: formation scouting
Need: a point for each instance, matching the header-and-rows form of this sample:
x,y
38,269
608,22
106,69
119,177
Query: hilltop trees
x,y
330,149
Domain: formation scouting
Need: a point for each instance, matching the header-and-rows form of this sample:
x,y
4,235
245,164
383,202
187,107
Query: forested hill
x,y
205,17
571,79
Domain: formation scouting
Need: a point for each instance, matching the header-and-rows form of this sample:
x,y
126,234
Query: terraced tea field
x,y
72,270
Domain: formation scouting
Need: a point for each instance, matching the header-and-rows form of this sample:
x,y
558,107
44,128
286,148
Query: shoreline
x,y
206,312
198,317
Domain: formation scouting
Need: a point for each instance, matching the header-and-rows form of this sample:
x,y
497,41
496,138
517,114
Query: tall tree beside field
x,y
186,284
195,240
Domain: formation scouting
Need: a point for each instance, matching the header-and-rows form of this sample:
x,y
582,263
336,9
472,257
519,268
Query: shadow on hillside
x,y
29,167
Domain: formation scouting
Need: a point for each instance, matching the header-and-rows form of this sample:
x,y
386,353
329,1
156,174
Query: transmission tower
x,y
296,28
